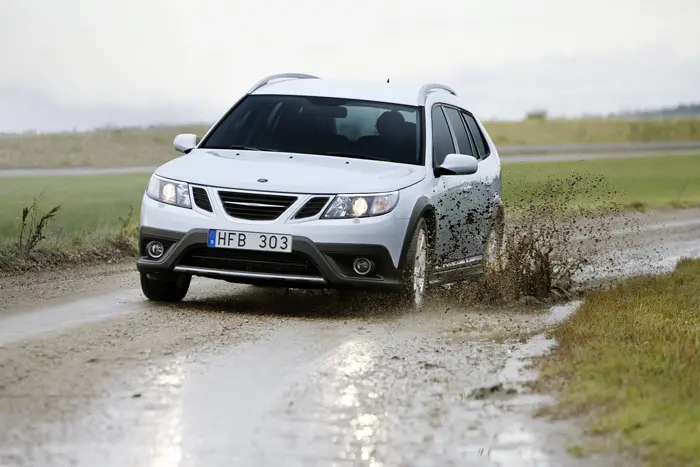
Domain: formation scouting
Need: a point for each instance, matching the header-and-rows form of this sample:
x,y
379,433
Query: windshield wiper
x,y
353,155
244,148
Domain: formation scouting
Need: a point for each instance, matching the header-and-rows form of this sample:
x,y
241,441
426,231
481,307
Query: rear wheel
x,y
165,290
414,280
493,246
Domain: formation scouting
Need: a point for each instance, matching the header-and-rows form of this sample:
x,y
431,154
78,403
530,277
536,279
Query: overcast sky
x,y
66,60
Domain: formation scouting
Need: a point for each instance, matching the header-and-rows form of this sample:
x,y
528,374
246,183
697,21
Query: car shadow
x,y
298,303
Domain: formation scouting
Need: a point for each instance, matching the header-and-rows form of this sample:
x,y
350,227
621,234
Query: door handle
x,y
465,188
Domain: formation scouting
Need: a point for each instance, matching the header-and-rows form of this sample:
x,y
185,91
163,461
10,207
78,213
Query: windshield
x,y
323,126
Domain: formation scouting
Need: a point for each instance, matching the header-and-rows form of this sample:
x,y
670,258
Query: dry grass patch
x,y
101,148
593,130
630,358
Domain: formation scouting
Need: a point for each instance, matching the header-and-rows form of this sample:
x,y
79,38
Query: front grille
x,y
255,206
251,261
201,199
312,207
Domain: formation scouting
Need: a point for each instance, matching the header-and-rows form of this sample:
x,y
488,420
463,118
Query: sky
x,y
76,63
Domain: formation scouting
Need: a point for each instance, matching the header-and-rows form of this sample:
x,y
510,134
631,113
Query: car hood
x,y
287,172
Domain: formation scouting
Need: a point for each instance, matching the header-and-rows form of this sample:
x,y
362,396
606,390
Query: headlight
x,y
354,206
169,192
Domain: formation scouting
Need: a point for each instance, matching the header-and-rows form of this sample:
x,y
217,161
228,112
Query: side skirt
x,y
457,271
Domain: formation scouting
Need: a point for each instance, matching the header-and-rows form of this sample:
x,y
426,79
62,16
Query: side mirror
x,y
185,142
457,164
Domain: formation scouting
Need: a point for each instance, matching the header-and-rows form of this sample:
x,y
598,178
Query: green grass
x,y
664,181
90,203
630,359
130,147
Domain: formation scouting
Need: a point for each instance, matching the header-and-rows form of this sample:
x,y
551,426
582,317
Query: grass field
x,y
95,221
665,181
129,147
629,359
90,203
87,203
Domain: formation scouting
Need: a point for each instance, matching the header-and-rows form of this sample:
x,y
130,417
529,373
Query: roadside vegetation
x,y
92,207
70,222
629,362
153,146
88,203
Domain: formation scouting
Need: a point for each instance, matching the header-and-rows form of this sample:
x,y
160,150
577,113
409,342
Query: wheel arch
x,y
423,209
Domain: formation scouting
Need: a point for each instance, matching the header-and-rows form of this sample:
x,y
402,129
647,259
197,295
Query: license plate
x,y
249,241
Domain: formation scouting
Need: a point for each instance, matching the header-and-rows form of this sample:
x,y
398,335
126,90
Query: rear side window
x,y
481,146
460,131
442,138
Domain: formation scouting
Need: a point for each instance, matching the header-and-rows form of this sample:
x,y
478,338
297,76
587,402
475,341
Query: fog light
x,y
155,249
362,266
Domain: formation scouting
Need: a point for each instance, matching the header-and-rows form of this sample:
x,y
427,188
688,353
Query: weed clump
x,y
32,226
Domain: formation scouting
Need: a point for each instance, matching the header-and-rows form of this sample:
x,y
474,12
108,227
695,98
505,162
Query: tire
x,y
165,290
415,274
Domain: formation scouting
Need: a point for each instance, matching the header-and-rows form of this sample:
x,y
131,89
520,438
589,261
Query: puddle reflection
x,y
358,361
167,448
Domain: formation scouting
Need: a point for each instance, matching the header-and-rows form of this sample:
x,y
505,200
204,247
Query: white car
x,y
307,182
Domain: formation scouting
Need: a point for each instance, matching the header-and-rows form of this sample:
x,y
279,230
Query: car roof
x,y
395,93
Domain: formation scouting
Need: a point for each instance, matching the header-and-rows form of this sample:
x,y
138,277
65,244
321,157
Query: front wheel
x,y
161,290
414,281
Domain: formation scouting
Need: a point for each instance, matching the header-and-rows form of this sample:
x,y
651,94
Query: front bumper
x,y
310,265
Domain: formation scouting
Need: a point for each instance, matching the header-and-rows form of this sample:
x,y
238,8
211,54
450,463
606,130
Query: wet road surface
x,y
92,374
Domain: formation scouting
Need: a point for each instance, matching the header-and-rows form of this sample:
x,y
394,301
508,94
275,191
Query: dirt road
x,y
92,374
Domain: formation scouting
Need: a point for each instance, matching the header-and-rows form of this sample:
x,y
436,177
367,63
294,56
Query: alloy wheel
x,y
420,268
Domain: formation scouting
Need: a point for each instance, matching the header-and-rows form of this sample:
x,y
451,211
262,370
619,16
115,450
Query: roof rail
x,y
265,81
427,88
